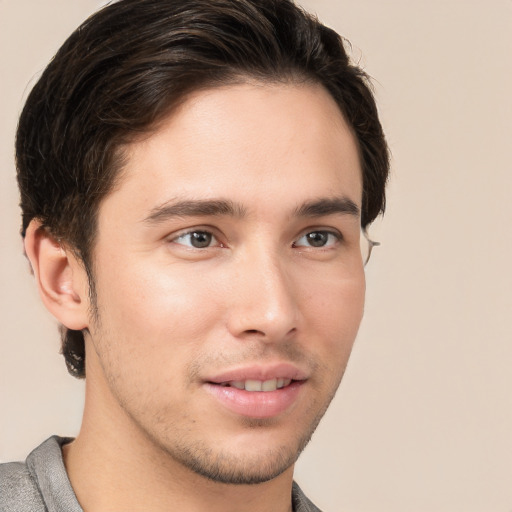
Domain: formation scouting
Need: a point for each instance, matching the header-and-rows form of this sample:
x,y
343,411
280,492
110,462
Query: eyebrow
x,y
222,207
328,206
194,208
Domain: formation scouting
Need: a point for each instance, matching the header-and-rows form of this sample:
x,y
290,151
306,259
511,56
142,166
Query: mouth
x,y
259,377
257,385
258,391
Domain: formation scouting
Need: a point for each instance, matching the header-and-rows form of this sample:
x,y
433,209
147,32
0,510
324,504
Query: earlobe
x,y
61,279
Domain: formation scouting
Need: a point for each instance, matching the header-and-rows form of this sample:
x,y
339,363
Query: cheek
x,y
336,310
142,293
155,319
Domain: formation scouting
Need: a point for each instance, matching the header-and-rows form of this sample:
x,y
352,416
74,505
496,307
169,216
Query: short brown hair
x,y
128,65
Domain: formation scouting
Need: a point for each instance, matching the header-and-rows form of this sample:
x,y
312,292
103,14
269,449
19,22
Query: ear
x,y
60,277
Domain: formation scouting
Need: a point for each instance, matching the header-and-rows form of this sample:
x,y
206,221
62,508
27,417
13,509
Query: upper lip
x,y
261,372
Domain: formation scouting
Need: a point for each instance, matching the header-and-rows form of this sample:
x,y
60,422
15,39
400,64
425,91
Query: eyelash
x,y
338,237
330,234
195,232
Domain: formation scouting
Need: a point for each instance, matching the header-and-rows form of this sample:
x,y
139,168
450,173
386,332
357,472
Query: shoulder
x,y
18,490
300,502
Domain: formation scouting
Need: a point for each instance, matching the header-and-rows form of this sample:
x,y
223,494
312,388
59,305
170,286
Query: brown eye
x,y
195,239
317,239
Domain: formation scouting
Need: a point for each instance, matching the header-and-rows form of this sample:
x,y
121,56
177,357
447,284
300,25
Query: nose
x,y
265,302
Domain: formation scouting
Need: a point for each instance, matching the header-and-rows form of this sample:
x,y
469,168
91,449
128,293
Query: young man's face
x,y
228,257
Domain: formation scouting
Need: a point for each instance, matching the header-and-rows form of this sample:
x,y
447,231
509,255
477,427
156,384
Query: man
x,y
196,180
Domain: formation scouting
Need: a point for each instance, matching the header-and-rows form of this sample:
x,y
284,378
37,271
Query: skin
x,y
171,315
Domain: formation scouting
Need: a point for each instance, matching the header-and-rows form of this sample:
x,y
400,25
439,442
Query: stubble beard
x,y
228,468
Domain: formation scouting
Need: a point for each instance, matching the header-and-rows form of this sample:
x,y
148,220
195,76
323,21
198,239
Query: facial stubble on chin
x,y
227,468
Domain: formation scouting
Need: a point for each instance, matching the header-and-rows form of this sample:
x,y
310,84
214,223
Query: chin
x,y
240,468
250,459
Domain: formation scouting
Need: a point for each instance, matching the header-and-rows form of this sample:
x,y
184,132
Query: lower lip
x,y
256,404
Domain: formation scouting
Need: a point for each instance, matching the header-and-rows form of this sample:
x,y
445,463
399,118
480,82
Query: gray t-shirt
x,y
41,484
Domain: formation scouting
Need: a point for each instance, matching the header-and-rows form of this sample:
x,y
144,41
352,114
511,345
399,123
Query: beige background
x,y
423,420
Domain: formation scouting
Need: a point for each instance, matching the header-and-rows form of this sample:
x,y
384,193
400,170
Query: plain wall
x,y
423,419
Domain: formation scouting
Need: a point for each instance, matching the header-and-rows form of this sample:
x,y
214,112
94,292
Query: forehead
x,y
250,140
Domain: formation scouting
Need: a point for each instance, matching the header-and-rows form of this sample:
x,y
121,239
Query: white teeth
x,y
258,385
253,385
269,385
